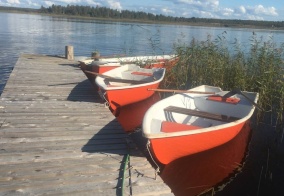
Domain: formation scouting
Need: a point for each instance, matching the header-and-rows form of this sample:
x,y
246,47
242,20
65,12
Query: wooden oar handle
x,y
178,91
251,101
112,79
97,74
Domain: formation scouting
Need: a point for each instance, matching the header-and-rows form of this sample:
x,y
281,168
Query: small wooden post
x,y
69,52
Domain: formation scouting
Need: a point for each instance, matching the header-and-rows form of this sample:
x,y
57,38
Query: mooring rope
x,y
158,168
103,96
126,163
123,176
106,103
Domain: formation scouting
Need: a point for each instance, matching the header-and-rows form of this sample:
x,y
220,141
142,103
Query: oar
x,y
227,95
112,79
97,74
178,91
238,91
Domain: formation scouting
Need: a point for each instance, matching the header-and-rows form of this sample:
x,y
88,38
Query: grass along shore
x,y
260,70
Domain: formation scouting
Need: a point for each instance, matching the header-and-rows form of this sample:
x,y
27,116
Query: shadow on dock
x,y
71,65
84,92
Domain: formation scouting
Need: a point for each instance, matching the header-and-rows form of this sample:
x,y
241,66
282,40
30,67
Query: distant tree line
x,y
104,12
17,9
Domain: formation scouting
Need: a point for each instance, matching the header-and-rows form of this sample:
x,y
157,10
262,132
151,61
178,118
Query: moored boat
x,y
128,84
188,123
103,65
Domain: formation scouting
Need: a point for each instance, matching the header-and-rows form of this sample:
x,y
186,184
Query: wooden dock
x,y
57,138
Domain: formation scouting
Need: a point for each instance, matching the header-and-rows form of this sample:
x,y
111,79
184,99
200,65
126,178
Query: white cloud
x,y
207,14
92,2
227,12
69,1
242,9
193,8
13,2
254,17
200,3
212,8
113,4
49,3
33,4
270,11
255,13
167,11
76,2
153,9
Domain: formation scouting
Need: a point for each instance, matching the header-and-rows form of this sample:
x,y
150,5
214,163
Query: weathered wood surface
x,y
57,138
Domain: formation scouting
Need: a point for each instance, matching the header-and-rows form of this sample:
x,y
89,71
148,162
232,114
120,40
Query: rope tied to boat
x,y
127,163
106,102
157,170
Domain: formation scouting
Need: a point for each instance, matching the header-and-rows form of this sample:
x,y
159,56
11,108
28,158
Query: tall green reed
x,y
215,62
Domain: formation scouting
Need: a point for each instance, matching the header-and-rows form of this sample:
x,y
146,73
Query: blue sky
x,y
272,10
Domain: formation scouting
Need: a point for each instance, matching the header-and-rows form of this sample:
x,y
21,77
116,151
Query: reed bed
x,y
219,63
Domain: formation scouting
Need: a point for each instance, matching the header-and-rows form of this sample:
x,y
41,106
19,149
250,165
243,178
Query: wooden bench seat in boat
x,y
218,117
107,80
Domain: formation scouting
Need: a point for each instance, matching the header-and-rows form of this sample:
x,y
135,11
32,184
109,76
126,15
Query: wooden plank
x,y
218,117
20,139
57,138
98,160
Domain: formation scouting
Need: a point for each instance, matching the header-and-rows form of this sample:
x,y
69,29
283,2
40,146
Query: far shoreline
x,y
197,24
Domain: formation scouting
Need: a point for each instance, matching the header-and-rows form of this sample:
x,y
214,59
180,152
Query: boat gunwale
x,y
147,133
110,88
130,59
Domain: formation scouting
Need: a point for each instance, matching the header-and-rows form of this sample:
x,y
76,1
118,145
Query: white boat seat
x,y
218,117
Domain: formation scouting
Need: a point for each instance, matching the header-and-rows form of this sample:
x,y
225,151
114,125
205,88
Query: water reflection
x,y
24,33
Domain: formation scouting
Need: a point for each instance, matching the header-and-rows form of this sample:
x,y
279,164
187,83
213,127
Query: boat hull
x,y
130,116
171,148
97,69
128,84
121,97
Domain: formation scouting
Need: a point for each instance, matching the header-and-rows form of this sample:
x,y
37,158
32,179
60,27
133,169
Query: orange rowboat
x,y
128,84
189,123
105,64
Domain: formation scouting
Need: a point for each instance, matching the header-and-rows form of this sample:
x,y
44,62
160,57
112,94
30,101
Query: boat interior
x,y
131,75
184,112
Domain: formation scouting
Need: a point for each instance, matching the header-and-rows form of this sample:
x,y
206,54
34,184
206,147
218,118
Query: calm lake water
x,y
23,33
